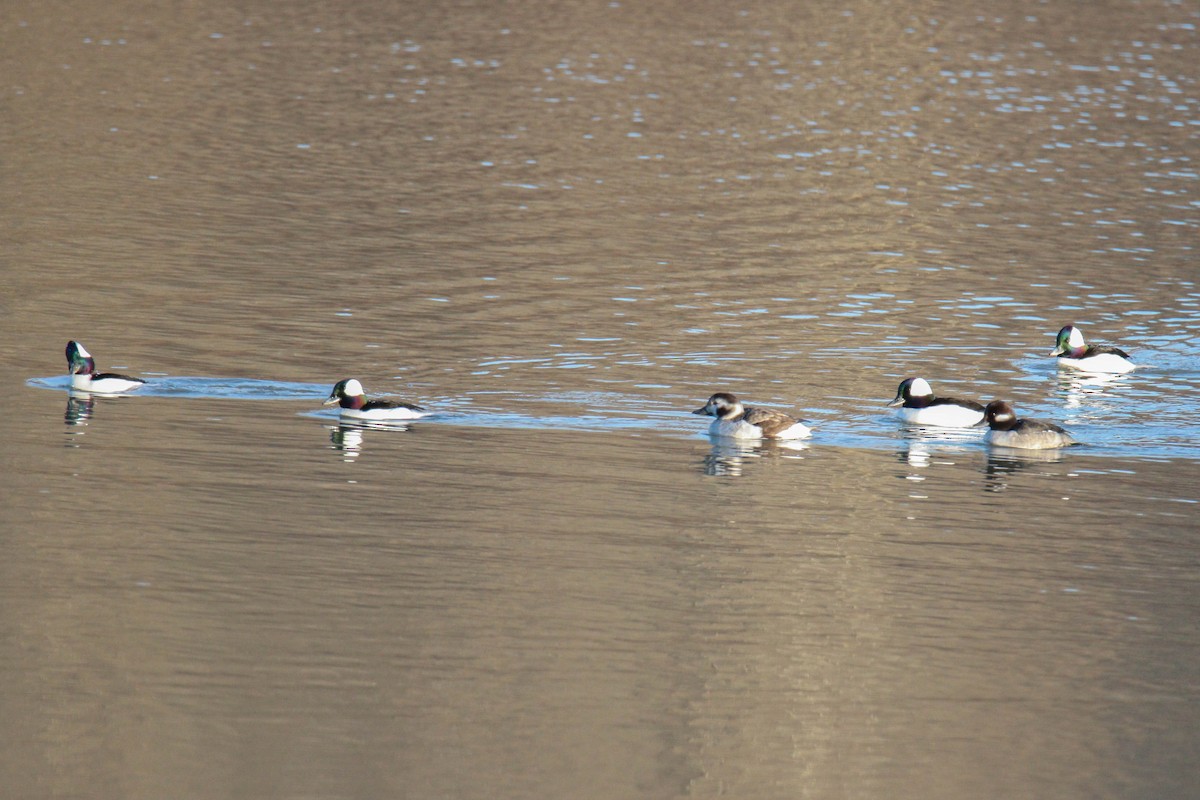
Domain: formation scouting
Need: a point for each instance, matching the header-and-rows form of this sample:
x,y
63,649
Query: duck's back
x,y
1032,434
775,424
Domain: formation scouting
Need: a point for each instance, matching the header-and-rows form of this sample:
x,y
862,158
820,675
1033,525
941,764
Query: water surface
x,y
562,227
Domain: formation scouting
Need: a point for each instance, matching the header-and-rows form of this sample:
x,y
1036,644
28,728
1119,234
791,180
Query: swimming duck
x,y
1027,434
1073,351
354,404
743,422
82,368
919,407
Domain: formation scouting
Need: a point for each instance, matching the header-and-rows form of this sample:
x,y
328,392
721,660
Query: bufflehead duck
x,y
82,367
349,395
742,422
1027,434
1073,351
919,407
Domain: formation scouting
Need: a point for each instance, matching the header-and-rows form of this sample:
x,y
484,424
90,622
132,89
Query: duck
x,y
354,404
918,406
82,368
1026,434
737,421
1074,352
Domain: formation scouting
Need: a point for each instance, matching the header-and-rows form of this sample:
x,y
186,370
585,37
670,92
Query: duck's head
x,y
1069,341
722,405
998,415
348,393
79,361
910,388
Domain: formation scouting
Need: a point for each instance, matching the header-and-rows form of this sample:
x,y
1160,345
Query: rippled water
x,y
561,228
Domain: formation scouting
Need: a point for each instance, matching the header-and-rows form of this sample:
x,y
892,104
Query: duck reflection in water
x,y
347,437
918,446
728,457
80,407
921,449
347,440
1081,387
1005,463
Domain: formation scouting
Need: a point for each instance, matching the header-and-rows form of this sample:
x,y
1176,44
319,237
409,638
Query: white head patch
x,y
919,388
82,351
353,388
1003,416
1076,339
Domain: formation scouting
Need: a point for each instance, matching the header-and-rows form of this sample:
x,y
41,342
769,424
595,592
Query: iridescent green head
x,y
347,394
1070,342
79,360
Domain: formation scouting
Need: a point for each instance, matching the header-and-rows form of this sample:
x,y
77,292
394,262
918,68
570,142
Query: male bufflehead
x,y
82,368
919,407
1027,434
1073,351
742,422
349,395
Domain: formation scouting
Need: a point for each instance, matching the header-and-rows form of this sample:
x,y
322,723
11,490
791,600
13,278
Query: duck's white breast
x,y
735,429
383,413
1105,362
946,415
104,385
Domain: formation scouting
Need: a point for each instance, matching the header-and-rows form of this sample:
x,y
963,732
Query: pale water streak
x,y
561,227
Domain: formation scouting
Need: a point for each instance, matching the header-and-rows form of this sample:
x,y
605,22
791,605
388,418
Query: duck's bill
x,y
332,401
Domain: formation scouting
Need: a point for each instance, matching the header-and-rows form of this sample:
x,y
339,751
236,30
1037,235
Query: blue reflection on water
x,y
207,388
1143,415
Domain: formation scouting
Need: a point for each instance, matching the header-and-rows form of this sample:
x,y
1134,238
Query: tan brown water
x,y
561,227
